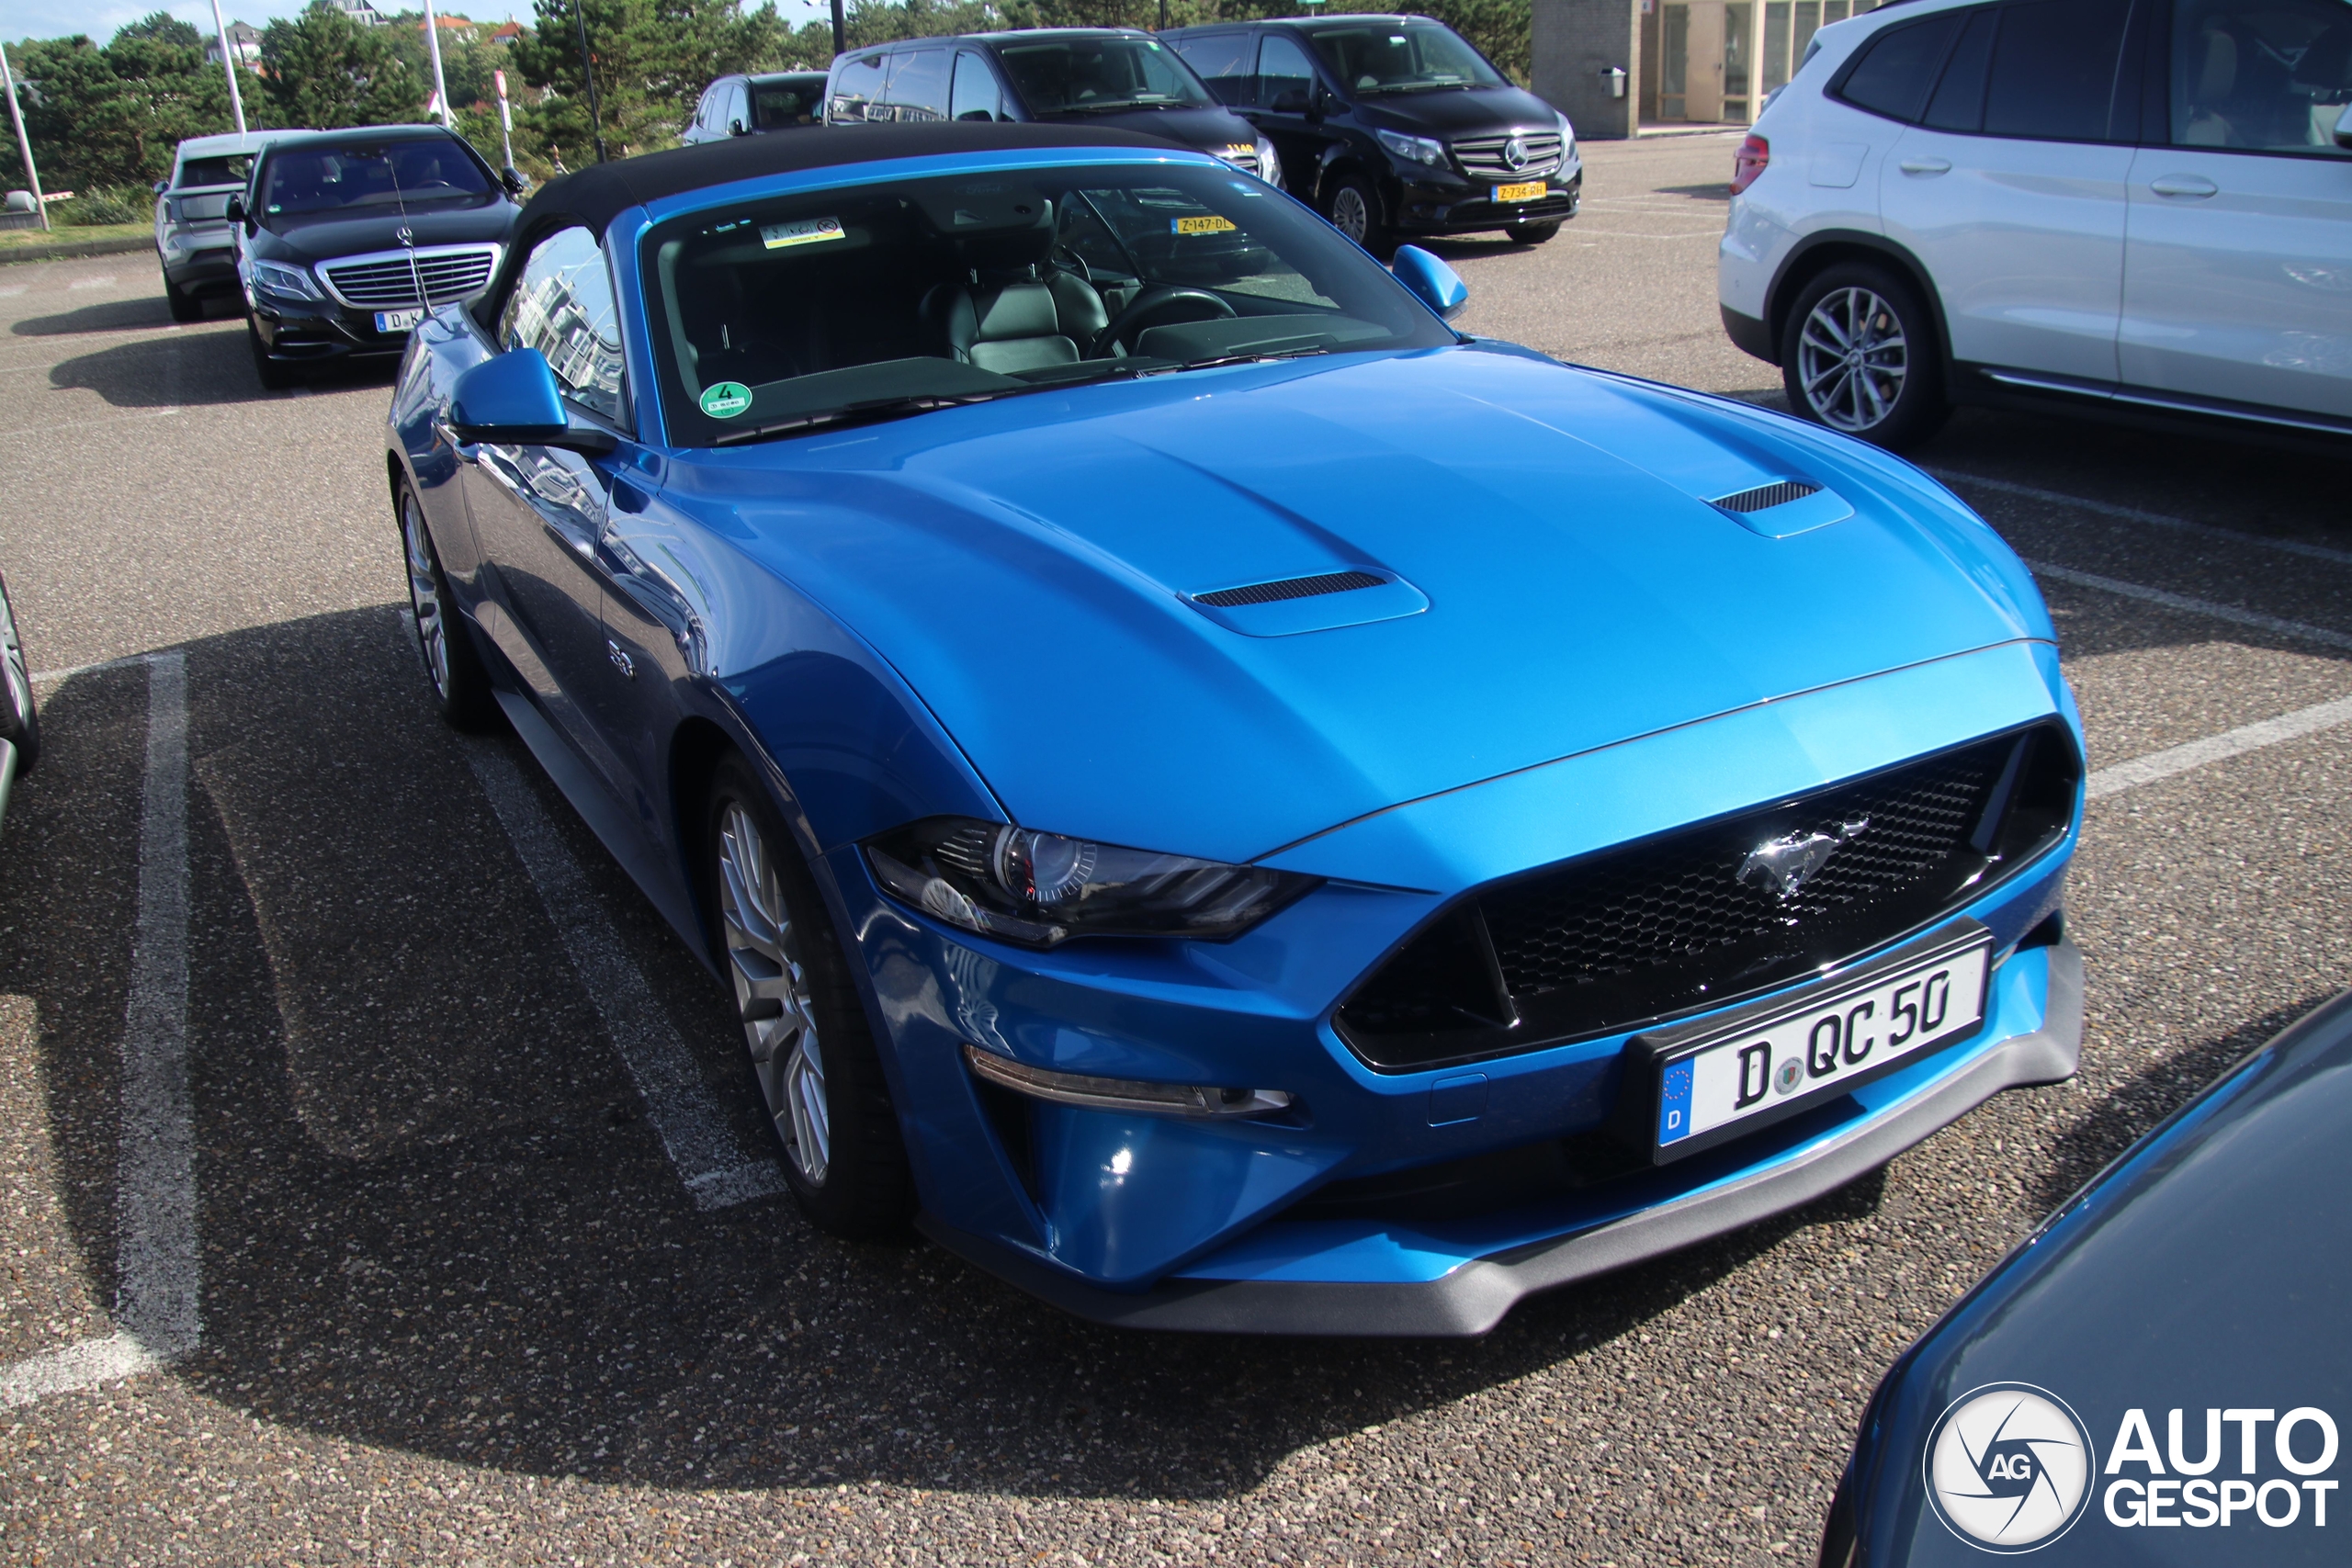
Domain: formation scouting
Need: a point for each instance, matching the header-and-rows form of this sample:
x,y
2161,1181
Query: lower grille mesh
x,y
1698,917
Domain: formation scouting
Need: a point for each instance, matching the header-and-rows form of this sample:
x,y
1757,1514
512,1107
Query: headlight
x,y
1270,167
294,282
1413,149
1567,141
1041,889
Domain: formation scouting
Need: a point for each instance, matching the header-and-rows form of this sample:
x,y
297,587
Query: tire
x,y
811,1054
1858,353
186,307
19,719
452,667
1354,208
1531,233
274,376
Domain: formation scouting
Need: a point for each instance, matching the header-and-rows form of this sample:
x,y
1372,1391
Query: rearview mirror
x,y
512,400
1431,281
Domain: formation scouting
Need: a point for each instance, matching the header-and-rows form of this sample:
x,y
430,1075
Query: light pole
x,y
505,120
840,31
228,64
433,48
24,143
588,74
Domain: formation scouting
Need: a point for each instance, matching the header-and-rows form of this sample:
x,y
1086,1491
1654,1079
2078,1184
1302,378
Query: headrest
x,y
1020,310
996,225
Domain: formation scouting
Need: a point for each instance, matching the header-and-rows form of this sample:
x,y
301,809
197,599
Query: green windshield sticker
x,y
726,400
808,232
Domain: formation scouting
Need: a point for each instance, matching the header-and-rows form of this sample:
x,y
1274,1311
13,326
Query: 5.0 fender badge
x,y
2009,1467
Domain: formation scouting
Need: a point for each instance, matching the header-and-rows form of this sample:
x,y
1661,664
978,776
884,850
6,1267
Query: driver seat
x,y
1018,324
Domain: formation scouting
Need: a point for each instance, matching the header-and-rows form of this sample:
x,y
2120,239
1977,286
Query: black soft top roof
x,y
595,196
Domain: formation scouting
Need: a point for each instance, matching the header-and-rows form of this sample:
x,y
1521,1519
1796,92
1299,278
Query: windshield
x,y
1090,75
1402,57
199,172
887,300
327,179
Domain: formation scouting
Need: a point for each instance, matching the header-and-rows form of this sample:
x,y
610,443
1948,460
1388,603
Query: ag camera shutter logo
x,y
2009,1467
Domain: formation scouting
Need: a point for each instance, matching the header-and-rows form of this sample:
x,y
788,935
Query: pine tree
x,y
652,58
322,69
113,116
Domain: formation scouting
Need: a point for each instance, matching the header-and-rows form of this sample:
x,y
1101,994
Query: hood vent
x,y
1289,588
1765,496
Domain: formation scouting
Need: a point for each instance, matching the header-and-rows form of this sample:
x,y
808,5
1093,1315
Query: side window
x,y
1221,60
1892,74
1959,100
701,110
562,306
976,95
2052,77
918,88
859,89
1282,67
2268,76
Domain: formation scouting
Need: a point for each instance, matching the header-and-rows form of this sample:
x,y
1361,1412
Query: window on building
x,y
562,306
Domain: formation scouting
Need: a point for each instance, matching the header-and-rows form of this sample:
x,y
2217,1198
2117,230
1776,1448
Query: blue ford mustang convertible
x,y
1225,801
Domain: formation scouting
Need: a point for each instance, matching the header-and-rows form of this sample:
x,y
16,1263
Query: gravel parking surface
x,y
456,1306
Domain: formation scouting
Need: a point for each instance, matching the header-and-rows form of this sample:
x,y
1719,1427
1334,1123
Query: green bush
x,y
119,204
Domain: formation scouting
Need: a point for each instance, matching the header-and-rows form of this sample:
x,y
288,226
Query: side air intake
x,y
1765,496
1288,588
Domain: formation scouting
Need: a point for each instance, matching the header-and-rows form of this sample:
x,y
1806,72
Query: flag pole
x,y
432,47
228,64
24,143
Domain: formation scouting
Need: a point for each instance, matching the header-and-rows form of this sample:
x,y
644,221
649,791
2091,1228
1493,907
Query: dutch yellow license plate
x,y
1532,190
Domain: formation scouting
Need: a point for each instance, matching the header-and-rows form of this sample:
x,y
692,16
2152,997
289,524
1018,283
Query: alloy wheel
x,y
1347,213
1852,359
424,599
772,993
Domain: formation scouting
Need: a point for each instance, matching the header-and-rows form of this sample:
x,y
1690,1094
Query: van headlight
x,y
1413,149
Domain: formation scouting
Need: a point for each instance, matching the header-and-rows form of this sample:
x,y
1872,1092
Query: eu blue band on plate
x,y
1674,1103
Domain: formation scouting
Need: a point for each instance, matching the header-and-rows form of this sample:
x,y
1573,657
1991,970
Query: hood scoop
x,y
1316,603
1784,507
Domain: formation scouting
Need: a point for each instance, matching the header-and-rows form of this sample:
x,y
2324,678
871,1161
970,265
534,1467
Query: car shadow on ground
x,y
191,367
433,1218
105,316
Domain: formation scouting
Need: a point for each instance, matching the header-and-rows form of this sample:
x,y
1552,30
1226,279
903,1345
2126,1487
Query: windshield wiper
x,y
1254,356
1124,105
870,410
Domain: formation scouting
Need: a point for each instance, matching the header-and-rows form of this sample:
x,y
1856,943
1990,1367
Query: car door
x,y
1222,60
2238,263
1285,108
2009,184
976,93
539,511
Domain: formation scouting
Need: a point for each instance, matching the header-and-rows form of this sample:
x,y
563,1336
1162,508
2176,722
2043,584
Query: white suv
x,y
2142,204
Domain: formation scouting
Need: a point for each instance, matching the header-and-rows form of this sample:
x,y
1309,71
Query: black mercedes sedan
x,y
346,239
2156,1375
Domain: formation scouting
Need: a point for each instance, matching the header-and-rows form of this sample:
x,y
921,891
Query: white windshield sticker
x,y
808,232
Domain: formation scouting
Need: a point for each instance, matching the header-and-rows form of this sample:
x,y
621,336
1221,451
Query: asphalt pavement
x,y
344,1220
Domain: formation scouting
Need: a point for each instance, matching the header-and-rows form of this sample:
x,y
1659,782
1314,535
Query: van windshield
x,y
1094,75
1402,57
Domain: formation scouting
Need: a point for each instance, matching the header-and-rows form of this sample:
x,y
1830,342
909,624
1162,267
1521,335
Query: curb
x,y
69,249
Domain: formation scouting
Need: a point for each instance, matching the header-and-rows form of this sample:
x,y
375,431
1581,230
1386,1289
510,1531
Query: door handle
x,y
2195,188
621,660
1926,165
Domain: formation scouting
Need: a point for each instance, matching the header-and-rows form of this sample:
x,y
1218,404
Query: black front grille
x,y
1289,588
1702,916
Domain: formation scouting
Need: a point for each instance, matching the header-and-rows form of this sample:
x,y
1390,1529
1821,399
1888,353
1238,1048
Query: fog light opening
x,y
1126,1094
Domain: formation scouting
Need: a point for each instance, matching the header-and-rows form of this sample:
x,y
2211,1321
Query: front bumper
x,y
315,332
2033,1037
1454,206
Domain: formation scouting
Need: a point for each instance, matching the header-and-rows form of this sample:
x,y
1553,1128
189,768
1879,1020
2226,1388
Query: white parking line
x,y
687,1120
102,280
159,1293
2235,742
2154,519
2182,601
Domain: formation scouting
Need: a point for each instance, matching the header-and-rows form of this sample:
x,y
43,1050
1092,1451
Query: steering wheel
x,y
1152,302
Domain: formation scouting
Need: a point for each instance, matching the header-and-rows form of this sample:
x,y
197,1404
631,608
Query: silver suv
x,y
192,234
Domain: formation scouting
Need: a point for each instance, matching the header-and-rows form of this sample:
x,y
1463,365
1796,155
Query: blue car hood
x,y
1024,565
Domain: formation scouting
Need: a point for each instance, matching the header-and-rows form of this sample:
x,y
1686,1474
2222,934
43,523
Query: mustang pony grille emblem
x,y
1785,864
1515,152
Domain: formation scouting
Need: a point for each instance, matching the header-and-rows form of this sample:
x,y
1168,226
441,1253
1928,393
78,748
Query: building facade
x,y
1615,67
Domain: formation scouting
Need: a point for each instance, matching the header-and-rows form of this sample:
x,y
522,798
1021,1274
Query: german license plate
x,y
1530,190
397,321
1718,1079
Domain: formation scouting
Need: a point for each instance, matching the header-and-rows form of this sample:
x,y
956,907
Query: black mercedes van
x,y
1116,77
1394,125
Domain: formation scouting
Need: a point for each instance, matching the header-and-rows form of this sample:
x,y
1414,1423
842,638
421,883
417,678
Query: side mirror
x,y
1290,100
512,400
1322,102
2344,128
737,127
163,185
235,210
1431,281
511,179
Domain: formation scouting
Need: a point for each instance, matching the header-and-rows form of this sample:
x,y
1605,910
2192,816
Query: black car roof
x,y
596,195
360,136
1007,35
1309,24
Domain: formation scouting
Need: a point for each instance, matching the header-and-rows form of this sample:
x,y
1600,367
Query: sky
x,y
100,18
